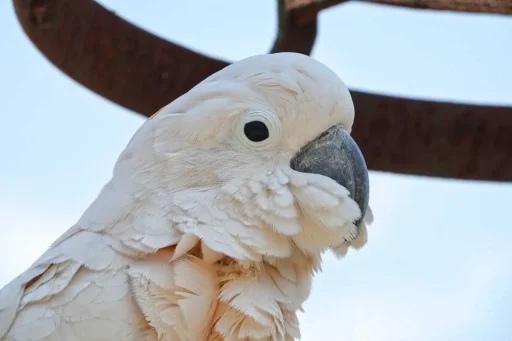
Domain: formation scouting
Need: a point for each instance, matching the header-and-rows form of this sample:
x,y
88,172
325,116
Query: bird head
x,y
256,160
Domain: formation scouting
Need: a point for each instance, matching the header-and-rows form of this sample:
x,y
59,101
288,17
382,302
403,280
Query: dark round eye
x,y
256,131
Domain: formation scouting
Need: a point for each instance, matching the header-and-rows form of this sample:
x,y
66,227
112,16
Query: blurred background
x,y
438,265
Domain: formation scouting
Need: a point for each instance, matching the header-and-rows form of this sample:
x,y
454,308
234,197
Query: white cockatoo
x,y
215,219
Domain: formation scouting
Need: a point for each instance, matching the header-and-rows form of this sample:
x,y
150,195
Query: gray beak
x,y
336,155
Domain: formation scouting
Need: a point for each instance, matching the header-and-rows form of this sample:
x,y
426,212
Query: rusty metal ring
x,y
143,72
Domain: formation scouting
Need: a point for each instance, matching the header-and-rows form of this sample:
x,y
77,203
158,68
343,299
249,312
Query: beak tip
x,y
336,155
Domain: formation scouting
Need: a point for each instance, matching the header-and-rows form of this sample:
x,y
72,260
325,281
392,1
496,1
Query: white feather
x,y
201,234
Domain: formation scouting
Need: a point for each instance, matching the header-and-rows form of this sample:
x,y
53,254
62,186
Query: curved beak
x,y
336,155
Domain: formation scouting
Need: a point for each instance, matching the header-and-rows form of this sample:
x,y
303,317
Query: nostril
x,y
333,130
324,134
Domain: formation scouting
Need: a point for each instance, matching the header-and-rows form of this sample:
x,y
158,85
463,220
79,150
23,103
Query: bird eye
x,y
256,131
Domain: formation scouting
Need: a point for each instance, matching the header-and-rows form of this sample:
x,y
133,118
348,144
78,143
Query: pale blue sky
x,y
438,265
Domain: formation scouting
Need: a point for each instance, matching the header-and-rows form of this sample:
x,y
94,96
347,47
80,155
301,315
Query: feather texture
x,y
201,234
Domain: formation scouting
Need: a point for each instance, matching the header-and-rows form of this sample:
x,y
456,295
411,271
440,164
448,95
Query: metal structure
x,y
143,72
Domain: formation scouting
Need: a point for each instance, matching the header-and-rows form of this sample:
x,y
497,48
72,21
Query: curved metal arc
x,y
143,72
109,55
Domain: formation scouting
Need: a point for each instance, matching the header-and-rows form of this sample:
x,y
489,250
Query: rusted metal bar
x,y
474,6
305,11
292,34
110,56
142,72
305,8
439,139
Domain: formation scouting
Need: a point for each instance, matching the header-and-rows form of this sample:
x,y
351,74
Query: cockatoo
x,y
215,220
